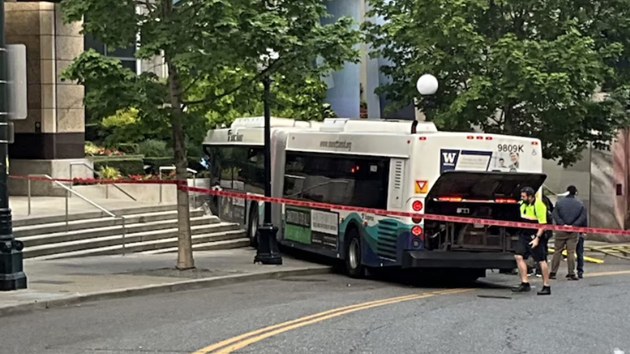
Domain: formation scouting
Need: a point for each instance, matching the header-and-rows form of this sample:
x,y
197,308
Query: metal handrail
x,y
171,168
84,198
98,173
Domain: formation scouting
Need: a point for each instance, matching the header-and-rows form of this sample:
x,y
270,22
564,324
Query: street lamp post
x,y
12,276
427,85
267,251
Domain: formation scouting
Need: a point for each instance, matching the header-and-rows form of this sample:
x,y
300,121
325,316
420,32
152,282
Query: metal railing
x,y
84,198
106,185
172,168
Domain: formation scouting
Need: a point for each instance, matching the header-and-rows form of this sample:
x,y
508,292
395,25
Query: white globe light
x,y
267,59
427,85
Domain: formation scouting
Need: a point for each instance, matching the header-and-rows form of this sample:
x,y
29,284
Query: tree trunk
x,y
184,245
184,240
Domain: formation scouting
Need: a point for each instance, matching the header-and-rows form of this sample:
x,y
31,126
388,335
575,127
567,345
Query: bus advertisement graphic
x,y
464,160
312,227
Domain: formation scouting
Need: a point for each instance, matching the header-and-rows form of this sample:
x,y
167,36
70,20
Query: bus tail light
x,y
417,205
450,199
505,200
417,231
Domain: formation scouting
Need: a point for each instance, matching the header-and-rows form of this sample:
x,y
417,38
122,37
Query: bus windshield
x,y
237,167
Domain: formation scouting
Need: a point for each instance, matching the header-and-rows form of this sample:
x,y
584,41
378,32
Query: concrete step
x,y
97,233
59,227
211,241
107,240
34,220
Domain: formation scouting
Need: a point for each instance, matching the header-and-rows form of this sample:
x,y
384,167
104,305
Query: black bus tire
x,y
252,226
354,256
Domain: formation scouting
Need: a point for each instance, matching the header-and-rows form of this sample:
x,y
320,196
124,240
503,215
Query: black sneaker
x,y
546,290
581,275
572,277
523,288
552,275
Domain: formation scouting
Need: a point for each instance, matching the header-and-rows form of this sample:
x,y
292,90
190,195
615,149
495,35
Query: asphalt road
x,y
589,316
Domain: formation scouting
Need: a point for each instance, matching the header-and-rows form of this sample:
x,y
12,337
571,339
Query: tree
x,y
527,68
207,47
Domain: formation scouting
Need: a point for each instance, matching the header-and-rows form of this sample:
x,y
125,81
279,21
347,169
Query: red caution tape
x,y
183,185
456,219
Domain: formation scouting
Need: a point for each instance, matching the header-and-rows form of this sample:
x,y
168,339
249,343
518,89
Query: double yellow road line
x,y
238,342
230,345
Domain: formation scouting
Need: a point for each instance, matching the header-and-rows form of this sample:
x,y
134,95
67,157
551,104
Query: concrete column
x,y
53,134
372,76
55,127
344,85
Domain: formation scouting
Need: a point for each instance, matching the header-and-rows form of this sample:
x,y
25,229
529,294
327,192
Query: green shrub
x,y
128,166
92,132
128,148
107,172
154,148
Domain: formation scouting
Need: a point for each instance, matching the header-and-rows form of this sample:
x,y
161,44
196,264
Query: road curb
x,y
158,289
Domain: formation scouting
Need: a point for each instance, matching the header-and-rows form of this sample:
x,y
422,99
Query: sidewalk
x,y
71,281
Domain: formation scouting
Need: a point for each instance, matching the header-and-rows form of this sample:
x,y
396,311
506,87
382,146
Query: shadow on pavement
x,y
408,278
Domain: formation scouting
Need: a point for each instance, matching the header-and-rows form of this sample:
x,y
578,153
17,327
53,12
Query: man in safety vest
x,y
530,241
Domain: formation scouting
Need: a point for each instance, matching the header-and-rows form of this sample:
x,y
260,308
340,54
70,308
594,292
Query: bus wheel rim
x,y
353,253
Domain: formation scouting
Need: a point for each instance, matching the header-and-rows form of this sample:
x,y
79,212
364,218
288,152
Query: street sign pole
x,y
12,276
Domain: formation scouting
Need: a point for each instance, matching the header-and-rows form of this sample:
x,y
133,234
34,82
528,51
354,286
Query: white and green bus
x,y
385,165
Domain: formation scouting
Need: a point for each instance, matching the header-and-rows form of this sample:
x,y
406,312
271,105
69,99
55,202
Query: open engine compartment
x,y
479,195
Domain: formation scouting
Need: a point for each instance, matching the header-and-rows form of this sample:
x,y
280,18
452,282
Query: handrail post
x,y
28,188
194,191
124,235
67,194
161,183
71,174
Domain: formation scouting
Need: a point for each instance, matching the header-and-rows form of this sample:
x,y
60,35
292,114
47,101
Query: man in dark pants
x,y
533,211
579,250
546,235
569,211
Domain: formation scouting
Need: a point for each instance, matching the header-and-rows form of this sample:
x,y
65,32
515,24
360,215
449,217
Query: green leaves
x,y
214,48
506,66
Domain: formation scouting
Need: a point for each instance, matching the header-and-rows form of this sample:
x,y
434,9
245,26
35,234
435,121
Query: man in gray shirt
x,y
569,211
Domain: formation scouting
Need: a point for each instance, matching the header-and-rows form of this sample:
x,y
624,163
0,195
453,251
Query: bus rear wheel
x,y
252,226
354,257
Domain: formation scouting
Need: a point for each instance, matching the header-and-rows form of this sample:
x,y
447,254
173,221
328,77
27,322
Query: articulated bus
x,y
381,164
